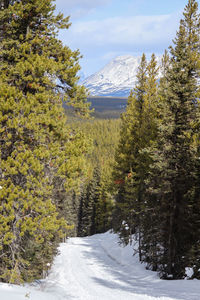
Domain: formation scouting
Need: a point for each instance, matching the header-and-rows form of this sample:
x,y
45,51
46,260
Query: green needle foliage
x,y
132,164
157,160
39,154
175,156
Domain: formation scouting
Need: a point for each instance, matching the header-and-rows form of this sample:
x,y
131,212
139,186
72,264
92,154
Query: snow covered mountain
x,y
117,78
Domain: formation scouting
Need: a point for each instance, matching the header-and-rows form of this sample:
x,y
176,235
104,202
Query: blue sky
x,y
104,29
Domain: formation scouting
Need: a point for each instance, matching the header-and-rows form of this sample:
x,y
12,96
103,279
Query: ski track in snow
x,y
97,268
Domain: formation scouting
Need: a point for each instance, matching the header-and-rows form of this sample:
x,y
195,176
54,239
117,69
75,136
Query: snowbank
x,y
13,292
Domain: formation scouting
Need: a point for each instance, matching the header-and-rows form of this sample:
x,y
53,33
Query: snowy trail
x,y
96,268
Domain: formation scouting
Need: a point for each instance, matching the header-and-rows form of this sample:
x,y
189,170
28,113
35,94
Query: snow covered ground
x,y
97,268
12,292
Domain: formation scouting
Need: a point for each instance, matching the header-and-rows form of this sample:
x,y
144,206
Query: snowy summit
x,y
117,78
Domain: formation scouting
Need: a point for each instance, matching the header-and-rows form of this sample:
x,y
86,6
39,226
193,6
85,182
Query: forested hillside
x,y
96,200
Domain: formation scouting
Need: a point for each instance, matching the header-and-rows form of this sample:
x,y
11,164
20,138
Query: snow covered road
x,y
97,268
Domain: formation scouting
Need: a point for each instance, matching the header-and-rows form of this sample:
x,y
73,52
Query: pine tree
x,y
37,148
163,85
104,207
88,206
132,163
131,119
175,158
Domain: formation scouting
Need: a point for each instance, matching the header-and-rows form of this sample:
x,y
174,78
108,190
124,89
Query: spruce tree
x,y
104,207
88,205
37,148
173,172
132,163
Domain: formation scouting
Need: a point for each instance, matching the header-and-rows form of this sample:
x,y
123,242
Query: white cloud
x,y
101,40
78,8
121,32
81,3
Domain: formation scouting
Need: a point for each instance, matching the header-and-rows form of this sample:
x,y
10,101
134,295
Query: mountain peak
x,y
116,78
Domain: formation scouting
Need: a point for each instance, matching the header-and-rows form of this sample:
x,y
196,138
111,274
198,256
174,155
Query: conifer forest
x,y
66,171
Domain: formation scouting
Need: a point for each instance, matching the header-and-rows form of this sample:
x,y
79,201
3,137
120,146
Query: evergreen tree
x,y
88,204
163,85
132,163
104,207
173,172
37,148
124,160
95,208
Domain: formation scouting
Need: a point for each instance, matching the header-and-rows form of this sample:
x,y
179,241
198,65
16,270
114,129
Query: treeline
x,y
157,166
42,160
